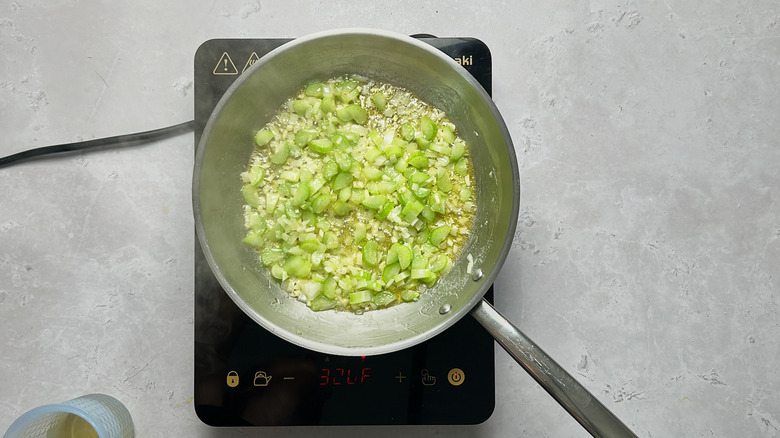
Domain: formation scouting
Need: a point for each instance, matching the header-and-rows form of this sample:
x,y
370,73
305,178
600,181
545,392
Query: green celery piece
x,y
250,195
304,136
343,114
423,143
386,187
428,128
404,256
255,240
418,159
392,254
384,298
328,105
342,180
302,193
341,141
300,107
465,194
329,287
439,234
360,232
423,274
439,262
372,173
385,210
447,134
410,212
297,266
256,222
321,202
291,210
275,232
314,89
344,160
342,208
310,245
462,167
322,303
359,297
329,170
380,101
263,137
376,137
407,132
374,202
390,271
321,145
458,149
281,153
330,240
358,114
371,253
443,180
428,214
256,175
410,295
345,194
271,255
437,202
278,272
357,196
394,152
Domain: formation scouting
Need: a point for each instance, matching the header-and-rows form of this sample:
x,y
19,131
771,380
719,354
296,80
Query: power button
x,y
456,377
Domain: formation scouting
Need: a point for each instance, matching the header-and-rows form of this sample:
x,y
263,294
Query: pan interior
x,y
227,144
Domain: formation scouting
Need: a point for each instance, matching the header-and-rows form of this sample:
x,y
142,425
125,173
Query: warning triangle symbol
x,y
252,59
225,66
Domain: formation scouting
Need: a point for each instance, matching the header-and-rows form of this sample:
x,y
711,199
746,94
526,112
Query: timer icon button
x,y
456,377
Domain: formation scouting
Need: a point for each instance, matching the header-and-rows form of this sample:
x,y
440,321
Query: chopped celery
x,y
360,232
321,202
447,134
390,271
342,208
358,297
321,145
428,128
410,295
342,180
304,136
410,212
255,240
329,287
443,180
374,202
300,107
462,167
358,114
329,170
457,151
249,193
281,153
380,101
418,160
407,132
302,193
439,234
263,137
322,303
371,253
328,105
355,174
271,256
384,298
297,266
314,89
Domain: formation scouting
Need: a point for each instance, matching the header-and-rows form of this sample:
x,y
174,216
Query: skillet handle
x,y
588,411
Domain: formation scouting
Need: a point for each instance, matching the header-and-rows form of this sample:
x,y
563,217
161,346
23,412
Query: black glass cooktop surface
x,y
246,376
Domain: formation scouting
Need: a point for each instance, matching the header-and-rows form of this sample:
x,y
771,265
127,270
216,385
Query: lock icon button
x,y
232,379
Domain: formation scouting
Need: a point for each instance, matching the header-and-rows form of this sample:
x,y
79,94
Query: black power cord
x,y
119,140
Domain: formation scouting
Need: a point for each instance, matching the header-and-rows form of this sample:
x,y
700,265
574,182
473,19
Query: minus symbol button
x,y
288,378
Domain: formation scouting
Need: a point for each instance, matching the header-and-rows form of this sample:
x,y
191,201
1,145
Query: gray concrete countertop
x,y
647,254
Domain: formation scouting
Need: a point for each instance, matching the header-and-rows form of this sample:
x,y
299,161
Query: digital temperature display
x,y
344,376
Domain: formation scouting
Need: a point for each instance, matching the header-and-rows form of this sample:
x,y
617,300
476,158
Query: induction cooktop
x,y
247,376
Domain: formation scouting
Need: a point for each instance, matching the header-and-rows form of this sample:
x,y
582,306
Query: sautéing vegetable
x,y
358,195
